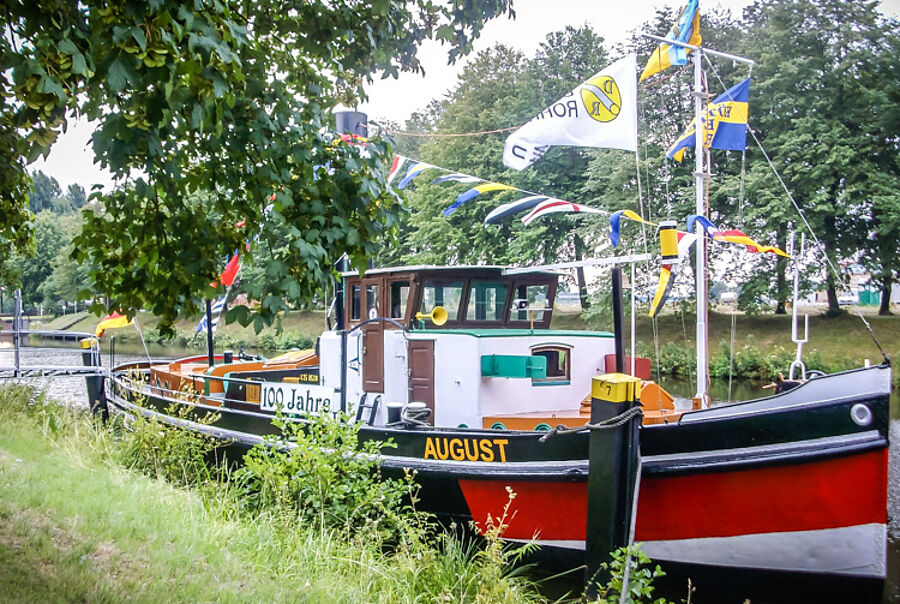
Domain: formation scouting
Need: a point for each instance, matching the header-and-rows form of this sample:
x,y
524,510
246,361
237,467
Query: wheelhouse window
x,y
399,298
372,301
354,302
529,303
486,301
442,293
559,364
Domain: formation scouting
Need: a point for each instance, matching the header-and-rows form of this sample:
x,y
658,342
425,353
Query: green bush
x,y
170,453
285,341
640,578
323,475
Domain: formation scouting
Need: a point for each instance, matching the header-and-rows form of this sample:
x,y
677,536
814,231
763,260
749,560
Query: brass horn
x,y
438,315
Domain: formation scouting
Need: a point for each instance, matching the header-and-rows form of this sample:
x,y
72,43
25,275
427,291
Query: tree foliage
x,y
204,111
823,104
499,88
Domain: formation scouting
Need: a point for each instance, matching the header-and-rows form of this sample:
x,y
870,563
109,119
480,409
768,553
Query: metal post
x,y
17,337
343,371
209,333
702,396
618,319
90,357
612,469
633,315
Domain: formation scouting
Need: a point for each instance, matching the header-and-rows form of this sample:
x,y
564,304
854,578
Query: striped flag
x,y
674,248
217,308
456,177
112,321
731,236
616,218
553,205
413,171
398,162
513,207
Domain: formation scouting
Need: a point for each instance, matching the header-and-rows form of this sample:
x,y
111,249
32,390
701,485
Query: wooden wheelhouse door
x,y
373,336
421,374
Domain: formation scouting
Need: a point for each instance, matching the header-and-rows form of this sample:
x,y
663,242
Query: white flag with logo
x,y
602,112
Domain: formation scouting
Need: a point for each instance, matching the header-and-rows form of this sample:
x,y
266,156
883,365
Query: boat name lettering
x,y
466,449
296,398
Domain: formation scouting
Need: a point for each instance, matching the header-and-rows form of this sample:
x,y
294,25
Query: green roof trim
x,y
517,333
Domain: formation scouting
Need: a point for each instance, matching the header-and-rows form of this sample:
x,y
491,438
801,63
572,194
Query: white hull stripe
x,y
859,550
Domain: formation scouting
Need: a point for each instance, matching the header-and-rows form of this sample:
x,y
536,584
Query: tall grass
x,y
81,518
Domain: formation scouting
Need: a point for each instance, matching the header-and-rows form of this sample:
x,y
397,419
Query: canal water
x,y
769,587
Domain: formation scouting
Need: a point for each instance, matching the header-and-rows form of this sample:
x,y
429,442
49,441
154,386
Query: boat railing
x,y
22,344
137,377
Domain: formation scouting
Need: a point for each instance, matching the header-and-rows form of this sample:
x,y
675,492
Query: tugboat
x,y
460,369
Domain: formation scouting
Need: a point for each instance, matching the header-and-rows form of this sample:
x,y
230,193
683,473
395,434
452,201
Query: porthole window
x,y
559,364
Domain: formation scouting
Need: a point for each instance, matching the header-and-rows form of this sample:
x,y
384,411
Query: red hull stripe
x,y
831,493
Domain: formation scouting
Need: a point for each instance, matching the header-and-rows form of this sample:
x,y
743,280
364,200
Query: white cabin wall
x,y
457,378
330,365
517,395
396,372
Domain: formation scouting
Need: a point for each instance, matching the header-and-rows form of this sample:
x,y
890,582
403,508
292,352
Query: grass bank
x,y
764,341
296,329
75,525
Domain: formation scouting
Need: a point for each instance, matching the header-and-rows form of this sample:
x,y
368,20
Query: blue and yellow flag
x,y
475,192
724,123
686,29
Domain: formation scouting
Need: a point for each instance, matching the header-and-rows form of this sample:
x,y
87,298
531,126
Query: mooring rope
x,y
606,424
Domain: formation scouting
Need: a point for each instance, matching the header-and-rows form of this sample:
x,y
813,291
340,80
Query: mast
x,y
702,396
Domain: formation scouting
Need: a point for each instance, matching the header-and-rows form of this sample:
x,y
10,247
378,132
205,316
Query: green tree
x,y
76,196
44,192
814,120
205,110
51,234
501,88
69,279
880,168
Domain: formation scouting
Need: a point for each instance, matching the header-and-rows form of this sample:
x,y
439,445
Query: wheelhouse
x,y
474,297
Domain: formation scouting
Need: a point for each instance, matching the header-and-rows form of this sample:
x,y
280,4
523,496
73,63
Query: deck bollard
x,y
612,469
90,357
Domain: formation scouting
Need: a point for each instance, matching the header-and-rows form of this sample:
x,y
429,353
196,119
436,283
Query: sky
x,y
71,158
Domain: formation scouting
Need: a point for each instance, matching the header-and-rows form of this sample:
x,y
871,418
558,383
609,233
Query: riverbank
x,y
762,343
78,525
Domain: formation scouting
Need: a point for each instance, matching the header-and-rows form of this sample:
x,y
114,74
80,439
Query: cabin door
x,y
373,337
421,374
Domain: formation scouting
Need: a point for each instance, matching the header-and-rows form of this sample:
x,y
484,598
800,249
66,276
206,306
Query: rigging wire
x,y
452,134
741,227
818,243
647,273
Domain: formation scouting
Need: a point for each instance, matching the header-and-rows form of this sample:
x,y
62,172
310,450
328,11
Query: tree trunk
x,y
829,237
781,290
885,307
579,274
834,308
